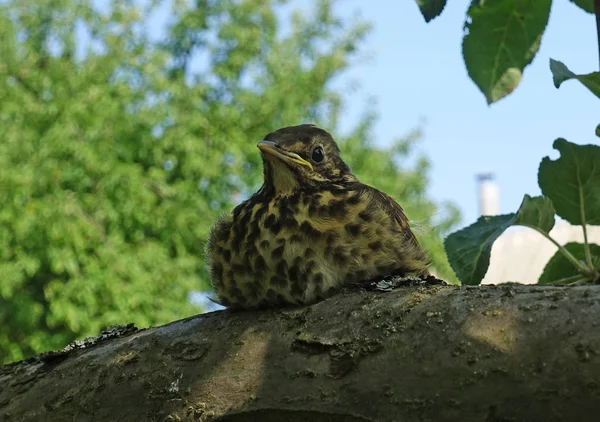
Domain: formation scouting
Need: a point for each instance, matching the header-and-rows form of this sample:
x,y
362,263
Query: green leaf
x,y
559,267
536,213
572,182
469,249
587,5
561,73
503,38
430,9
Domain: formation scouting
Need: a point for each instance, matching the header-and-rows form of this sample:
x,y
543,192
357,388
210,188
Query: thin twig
x,y
597,13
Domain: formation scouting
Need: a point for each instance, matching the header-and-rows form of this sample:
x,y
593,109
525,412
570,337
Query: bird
x,y
310,229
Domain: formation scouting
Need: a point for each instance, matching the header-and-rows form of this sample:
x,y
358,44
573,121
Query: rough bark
x,y
415,354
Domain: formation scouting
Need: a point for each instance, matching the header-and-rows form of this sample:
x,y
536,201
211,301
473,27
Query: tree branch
x,y
417,353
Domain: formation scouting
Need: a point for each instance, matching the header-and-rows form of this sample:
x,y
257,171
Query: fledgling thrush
x,y
311,227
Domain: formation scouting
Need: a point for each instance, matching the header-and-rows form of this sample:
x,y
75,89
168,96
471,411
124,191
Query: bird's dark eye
x,y
318,155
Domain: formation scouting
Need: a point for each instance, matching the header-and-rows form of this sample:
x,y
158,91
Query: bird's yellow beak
x,y
269,147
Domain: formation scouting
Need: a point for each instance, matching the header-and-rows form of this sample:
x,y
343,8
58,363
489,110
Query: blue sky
x,y
416,73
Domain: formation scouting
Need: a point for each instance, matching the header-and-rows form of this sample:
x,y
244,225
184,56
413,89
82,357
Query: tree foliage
x,y
120,145
502,38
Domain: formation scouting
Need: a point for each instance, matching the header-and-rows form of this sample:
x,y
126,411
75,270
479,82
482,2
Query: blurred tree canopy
x,y
118,149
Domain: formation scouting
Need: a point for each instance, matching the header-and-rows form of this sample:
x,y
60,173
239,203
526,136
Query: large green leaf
x,y
572,182
431,8
559,267
561,73
587,5
503,38
469,249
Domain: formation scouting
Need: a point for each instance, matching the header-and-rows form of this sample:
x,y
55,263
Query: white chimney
x,y
489,197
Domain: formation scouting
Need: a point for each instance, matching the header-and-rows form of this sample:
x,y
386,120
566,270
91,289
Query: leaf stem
x,y
569,280
586,245
582,268
582,280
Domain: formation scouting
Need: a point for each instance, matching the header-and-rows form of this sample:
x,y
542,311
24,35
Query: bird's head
x,y
297,157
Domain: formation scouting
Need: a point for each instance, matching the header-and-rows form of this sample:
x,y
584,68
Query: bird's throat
x,y
282,178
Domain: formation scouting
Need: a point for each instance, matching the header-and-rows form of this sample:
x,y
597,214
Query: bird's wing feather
x,y
394,210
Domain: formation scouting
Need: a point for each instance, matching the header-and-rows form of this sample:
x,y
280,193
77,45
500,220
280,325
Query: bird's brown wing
x,y
394,210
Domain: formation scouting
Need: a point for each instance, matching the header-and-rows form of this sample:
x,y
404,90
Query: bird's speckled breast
x,y
298,248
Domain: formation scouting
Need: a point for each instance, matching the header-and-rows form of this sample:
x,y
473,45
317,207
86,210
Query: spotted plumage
x,y
310,228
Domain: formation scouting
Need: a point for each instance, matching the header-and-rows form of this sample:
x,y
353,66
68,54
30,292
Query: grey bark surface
x,y
507,353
